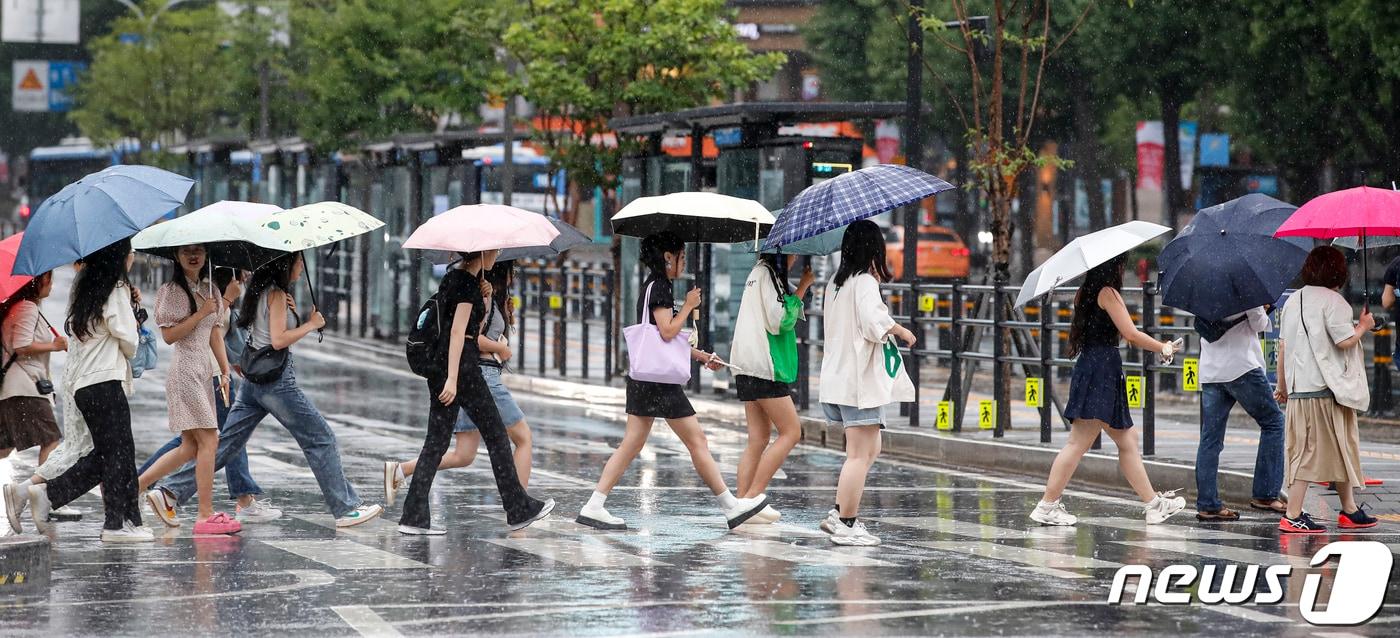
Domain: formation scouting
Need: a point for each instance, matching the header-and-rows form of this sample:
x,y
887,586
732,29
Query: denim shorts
x,y
852,416
505,403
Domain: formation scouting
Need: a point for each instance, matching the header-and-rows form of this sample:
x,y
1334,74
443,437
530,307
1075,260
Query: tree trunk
x,y
1171,162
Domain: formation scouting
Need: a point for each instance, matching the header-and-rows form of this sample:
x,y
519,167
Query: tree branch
x,y
1077,22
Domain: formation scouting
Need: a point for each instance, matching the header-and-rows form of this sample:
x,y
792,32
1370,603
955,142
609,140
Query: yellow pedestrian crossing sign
x,y
945,415
556,302
987,415
1033,390
1191,375
1134,389
926,303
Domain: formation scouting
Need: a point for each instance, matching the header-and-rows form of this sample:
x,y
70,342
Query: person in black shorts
x,y
664,256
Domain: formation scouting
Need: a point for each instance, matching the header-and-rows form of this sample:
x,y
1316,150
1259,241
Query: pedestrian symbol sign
x,y
1033,390
1191,375
1134,388
987,415
945,415
926,303
556,302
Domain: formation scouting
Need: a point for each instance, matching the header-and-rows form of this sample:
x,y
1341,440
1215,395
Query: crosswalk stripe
x,y
799,554
975,530
1220,552
345,554
1172,531
363,620
1037,560
578,553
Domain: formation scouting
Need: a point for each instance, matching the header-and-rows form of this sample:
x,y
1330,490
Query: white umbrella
x,y
228,230
695,217
1083,253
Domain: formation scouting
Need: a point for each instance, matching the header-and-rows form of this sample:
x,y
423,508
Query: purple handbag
x,y
651,358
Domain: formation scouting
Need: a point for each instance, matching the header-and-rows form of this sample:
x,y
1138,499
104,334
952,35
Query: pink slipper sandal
x,y
219,523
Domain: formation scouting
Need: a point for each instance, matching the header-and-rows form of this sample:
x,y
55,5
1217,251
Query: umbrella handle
x,y
315,307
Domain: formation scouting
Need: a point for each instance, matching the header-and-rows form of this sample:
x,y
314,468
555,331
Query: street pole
x,y
913,156
508,142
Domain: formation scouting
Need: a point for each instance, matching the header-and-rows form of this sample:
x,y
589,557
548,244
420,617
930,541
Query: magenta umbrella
x,y
467,229
1355,212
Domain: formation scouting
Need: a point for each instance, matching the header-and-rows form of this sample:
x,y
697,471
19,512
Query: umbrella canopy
x,y
851,197
96,211
1228,260
10,283
1085,252
569,237
231,232
818,246
1353,212
319,224
467,229
695,217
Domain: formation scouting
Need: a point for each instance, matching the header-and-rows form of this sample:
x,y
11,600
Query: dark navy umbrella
x,y
1227,260
569,237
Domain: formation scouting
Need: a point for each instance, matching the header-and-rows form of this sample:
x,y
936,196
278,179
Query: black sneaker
x,y
1304,524
1356,520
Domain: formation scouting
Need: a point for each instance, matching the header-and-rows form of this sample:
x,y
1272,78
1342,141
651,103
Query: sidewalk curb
x,y
1030,461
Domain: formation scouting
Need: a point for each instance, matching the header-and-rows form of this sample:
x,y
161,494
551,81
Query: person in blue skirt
x,y
1098,400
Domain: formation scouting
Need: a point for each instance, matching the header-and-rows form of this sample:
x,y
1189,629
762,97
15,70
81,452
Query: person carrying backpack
x,y
1232,371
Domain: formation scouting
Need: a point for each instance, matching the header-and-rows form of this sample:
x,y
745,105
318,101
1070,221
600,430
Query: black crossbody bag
x,y
265,364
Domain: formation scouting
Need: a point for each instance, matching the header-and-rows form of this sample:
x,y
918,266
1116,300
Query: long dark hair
x,y
275,274
102,271
777,271
862,248
500,277
654,249
1106,275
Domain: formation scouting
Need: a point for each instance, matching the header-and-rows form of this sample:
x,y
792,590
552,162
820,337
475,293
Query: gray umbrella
x,y
569,237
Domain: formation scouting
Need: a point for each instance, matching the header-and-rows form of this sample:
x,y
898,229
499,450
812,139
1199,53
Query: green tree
x,y
378,67
169,85
585,61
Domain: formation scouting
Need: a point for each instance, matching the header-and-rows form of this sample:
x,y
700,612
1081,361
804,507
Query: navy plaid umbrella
x,y
851,197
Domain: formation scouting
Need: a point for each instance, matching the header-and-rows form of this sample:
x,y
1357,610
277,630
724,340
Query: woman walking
x,y
102,322
664,257
26,395
462,386
191,317
1324,384
269,312
1098,400
862,371
765,354
494,344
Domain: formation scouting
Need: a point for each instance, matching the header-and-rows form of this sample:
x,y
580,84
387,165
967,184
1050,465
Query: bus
x,y
531,184
53,167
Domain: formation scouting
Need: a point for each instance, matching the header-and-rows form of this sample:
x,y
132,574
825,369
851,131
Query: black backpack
x,y
424,347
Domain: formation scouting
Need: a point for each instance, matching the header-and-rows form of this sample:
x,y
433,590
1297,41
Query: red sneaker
x,y
1356,520
1304,524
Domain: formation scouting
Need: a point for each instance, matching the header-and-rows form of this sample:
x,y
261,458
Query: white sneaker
x,y
1162,507
14,506
361,515
261,511
855,535
163,506
67,513
599,518
539,516
833,518
128,534
766,516
422,531
392,482
39,507
745,509
1047,513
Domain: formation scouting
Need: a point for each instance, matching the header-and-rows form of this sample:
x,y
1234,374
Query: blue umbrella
x,y
1227,260
95,211
851,197
819,246
569,237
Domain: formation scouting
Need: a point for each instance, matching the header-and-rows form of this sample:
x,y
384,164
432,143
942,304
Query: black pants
x,y
112,461
475,397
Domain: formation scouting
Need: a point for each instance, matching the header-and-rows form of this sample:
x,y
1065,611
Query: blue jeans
x,y
285,402
240,480
1253,392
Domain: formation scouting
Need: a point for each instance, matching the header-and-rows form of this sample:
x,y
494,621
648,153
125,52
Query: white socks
x,y
727,500
596,500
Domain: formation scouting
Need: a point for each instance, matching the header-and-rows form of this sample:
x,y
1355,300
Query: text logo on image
x,y
1356,596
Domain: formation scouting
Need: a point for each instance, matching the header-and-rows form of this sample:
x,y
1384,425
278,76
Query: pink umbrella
x,y
478,227
1355,212
10,283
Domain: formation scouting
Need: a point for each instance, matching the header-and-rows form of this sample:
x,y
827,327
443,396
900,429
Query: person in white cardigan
x,y
862,371
764,356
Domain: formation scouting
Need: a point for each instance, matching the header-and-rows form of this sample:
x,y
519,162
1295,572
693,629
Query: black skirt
x,y
664,400
1097,390
754,388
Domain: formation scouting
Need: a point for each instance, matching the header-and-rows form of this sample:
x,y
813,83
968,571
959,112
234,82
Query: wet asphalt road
x,y
959,555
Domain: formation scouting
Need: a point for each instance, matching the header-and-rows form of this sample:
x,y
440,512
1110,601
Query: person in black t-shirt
x,y
462,386
1392,282
664,256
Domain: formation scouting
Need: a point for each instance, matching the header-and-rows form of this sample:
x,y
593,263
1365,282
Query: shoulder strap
x,y
646,304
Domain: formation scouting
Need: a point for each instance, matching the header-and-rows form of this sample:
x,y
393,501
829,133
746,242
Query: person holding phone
x,y
1098,399
663,255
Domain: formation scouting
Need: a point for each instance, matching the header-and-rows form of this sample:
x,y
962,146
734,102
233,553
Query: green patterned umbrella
x,y
319,224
